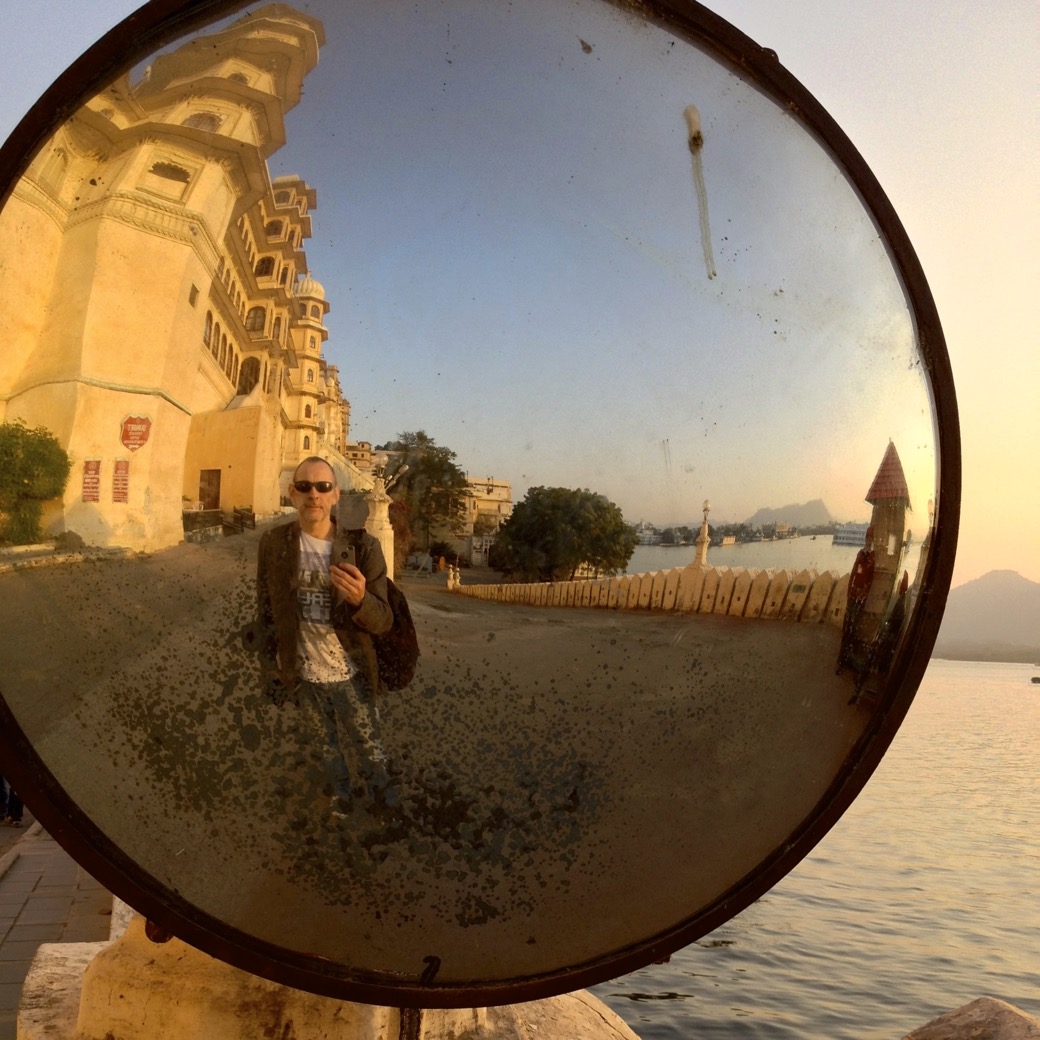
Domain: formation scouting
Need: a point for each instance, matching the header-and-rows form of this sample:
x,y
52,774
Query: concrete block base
x,y
134,989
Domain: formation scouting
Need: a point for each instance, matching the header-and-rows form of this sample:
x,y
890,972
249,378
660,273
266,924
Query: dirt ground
x,y
567,781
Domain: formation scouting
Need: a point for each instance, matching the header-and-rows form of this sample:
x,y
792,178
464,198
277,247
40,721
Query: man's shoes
x,y
339,807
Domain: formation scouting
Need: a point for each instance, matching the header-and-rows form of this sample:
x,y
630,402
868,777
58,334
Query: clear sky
x,y
940,101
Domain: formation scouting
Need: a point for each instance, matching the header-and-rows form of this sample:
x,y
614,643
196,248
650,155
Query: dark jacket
x,y
277,582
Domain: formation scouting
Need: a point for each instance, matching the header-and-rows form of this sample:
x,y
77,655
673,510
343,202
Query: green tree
x,y
434,489
34,468
554,531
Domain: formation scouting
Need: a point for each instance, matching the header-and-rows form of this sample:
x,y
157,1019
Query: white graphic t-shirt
x,y
321,654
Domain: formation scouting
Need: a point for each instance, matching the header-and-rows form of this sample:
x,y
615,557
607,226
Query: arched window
x,y
256,319
234,370
223,351
220,267
227,279
273,228
208,121
207,329
265,267
283,197
248,375
315,311
310,375
306,443
214,347
239,77
313,343
170,172
307,411
284,276
229,363
54,169
276,332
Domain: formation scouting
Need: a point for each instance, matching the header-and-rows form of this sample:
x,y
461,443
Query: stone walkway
x,y
45,896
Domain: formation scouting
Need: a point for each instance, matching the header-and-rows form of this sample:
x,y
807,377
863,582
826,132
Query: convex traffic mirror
x,y
587,246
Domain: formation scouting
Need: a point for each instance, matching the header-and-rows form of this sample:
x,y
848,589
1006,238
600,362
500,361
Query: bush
x,y
34,468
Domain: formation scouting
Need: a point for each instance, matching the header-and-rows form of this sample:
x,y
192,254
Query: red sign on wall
x,y
121,481
92,480
134,431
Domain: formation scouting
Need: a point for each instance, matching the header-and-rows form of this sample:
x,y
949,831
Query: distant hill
x,y
993,618
806,514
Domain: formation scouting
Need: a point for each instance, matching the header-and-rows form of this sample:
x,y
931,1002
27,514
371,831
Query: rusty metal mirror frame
x,y
162,21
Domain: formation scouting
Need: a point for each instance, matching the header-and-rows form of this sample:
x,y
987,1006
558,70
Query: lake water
x,y
924,896
818,553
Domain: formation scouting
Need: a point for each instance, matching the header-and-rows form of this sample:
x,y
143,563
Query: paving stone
x,y
34,932
18,951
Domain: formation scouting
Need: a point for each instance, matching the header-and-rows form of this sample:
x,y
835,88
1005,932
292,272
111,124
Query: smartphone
x,y
343,552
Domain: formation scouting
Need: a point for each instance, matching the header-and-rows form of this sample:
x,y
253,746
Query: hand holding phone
x,y
347,580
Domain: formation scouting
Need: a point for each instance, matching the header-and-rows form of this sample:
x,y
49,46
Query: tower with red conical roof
x,y
890,498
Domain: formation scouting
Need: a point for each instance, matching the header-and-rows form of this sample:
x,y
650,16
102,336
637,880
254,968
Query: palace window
x,y
265,267
306,443
170,172
248,375
207,329
315,311
214,347
273,228
256,319
208,121
54,169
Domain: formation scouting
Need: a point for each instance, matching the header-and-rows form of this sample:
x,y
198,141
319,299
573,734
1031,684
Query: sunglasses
x,y
303,486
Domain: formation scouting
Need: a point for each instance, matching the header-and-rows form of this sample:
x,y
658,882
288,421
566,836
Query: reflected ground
x,y
571,781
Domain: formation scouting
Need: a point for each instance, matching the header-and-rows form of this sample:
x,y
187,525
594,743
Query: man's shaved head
x,y
313,459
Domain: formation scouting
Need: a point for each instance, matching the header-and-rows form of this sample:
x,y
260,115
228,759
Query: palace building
x,y
161,320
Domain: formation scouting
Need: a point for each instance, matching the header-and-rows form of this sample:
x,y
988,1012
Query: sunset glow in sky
x,y
940,102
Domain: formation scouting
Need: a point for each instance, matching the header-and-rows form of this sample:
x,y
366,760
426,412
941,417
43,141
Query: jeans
x,y
10,803
345,717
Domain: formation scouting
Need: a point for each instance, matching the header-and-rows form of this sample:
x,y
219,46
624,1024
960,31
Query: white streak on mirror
x,y
696,142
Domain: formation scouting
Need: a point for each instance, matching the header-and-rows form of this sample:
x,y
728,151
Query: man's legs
x,y
318,701
357,716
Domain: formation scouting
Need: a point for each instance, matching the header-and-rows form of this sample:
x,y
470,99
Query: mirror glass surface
x,y
501,224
